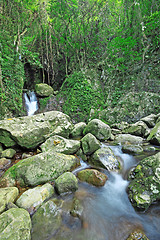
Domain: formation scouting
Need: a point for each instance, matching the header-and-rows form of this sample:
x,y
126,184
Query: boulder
x,y
139,129
33,198
150,120
15,224
104,157
154,136
61,145
8,153
78,129
46,221
90,144
132,149
43,90
128,139
144,188
7,195
30,131
93,177
4,163
39,169
65,183
99,129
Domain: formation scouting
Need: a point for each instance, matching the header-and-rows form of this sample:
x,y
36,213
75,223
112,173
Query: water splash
x,y
31,103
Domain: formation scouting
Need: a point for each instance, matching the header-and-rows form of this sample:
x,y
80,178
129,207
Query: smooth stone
x,y
43,90
66,183
8,153
90,144
93,177
78,129
128,138
33,198
132,149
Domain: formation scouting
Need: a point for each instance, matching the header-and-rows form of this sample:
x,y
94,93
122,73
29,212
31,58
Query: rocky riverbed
x,y
57,178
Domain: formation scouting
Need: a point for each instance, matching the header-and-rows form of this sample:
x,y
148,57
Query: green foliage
x,y
79,97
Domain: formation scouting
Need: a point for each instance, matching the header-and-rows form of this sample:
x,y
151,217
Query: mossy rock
x,y
154,136
66,183
43,90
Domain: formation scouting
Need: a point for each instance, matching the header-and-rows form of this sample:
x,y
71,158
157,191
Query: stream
x,y
108,213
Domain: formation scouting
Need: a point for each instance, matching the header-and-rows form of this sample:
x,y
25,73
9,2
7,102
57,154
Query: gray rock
x,y
128,138
4,163
154,136
150,120
78,129
90,144
104,157
61,145
139,129
46,221
7,195
15,224
99,129
144,187
30,131
132,149
65,183
39,169
33,198
43,90
8,153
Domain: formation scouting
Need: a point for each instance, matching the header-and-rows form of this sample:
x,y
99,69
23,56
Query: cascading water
x,y
31,103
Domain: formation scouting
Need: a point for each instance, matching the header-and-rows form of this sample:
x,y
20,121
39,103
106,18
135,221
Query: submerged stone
x,y
137,235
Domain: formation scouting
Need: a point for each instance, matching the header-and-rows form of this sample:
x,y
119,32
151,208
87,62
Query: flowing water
x,y
108,213
31,103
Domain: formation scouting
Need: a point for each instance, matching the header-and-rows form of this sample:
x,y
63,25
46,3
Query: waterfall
x,y
31,103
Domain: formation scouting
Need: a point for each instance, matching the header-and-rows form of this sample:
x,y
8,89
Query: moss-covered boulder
x,y
90,144
33,198
104,157
154,136
43,90
7,195
128,139
39,169
139,129
144,188
30,131
132,149
15,224
61,145
137,235
8,153
78,129
150,120
93,177
66,183
46,221
99,129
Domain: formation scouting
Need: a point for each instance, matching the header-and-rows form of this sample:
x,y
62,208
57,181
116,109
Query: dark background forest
x,y
92,52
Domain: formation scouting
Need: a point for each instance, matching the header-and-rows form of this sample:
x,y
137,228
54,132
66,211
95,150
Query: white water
x,y
31,103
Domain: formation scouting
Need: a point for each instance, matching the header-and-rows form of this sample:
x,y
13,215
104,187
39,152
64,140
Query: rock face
x,y
128,138
7,195
104,157
15,224
144,188
39,169
31,131
78,129
154,136
43,90
99,129
61,145
46,221
89,144
93,177
65,183
33,198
